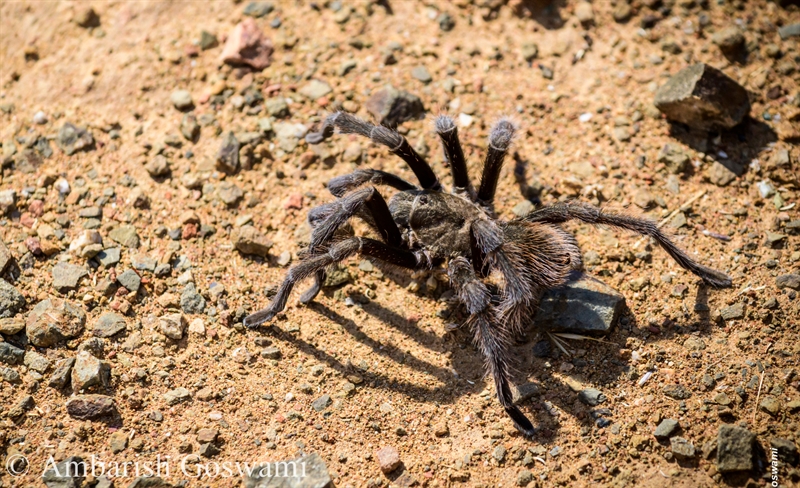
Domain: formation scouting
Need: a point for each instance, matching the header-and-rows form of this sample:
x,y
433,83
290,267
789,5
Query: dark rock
x,y
10,354
583,304
72,139
734,449
704,98
787,451
11,300
267,476
62,373
191,301
150,482
69,473
88,407
208,40
321,403
130,279
678,392
735,311
788,281
591,397
54,320
392,107
681,448
542,349
258,9
524,392
6,257
228,155
189,127
667,428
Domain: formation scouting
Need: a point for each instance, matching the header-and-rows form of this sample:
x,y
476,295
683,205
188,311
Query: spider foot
x,y
254,320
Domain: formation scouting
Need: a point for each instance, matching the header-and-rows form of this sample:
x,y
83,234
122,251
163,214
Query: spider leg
x,y
326,219
349,124
448,133
337,252
562,212
499,142
342,184
490,336
348,206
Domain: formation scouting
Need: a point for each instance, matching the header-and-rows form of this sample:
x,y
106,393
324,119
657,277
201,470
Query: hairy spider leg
x,y
349,124
448,133
499,141
490,337
342,184
562,212
337,252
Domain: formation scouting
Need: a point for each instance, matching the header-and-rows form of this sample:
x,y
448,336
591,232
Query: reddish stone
x,y
189,231
36,208
27,220
388,459
34,246
273,88
323,102
295,200
246,44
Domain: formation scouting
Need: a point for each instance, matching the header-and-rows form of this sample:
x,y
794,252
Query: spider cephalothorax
x,y
423,227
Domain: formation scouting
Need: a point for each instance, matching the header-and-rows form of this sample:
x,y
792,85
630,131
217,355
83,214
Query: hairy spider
x,y
497,268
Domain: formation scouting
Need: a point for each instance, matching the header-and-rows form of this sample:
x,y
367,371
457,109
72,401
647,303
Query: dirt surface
x,y
379,345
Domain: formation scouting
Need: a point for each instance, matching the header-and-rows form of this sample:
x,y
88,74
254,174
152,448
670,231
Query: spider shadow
x,y
454,380
740,144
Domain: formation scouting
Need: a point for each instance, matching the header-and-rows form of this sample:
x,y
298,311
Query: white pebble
x,y
62,185
464,120
40,118
585,117
722,154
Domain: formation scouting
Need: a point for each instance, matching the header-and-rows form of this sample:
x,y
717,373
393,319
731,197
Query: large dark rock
x,y
734,449
69,473
583,304
392,107
704,98
87,407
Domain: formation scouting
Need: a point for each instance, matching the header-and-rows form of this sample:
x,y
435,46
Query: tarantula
x,y
497,268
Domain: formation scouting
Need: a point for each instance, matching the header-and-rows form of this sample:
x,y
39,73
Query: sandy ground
x,y
395,376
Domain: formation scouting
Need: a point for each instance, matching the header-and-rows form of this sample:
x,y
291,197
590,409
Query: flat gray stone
x,y
108,257
422,74
130,279
35,361
681,448
321,403
11,300
228,154
66,276
109,324
583,304
591,397
788,281
704,98
734,449
732,312
791,30
316,475
173,397
315,89
125,235
666,429
6,257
